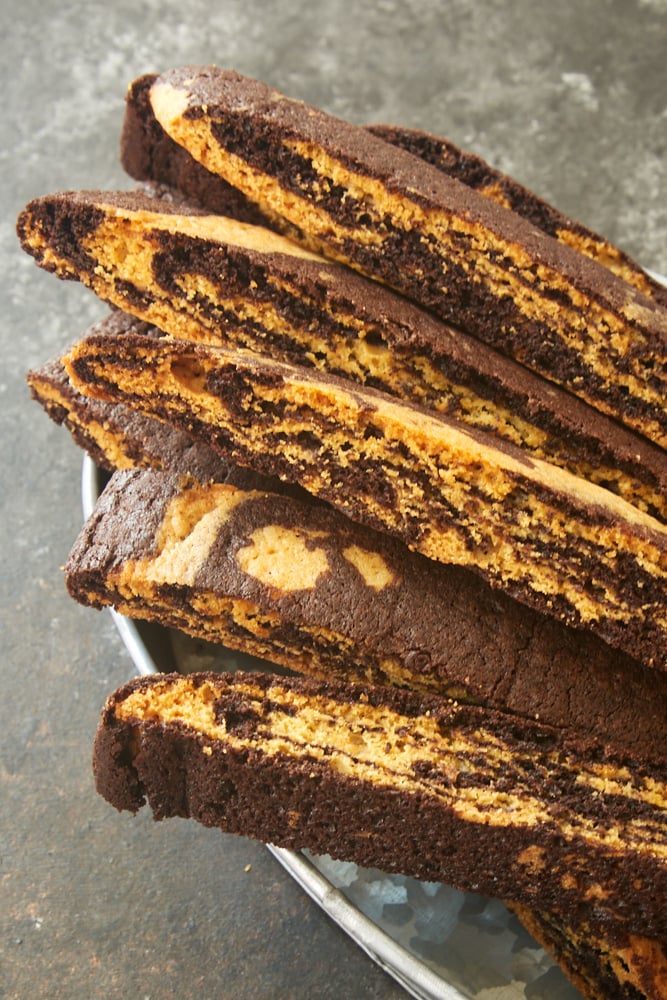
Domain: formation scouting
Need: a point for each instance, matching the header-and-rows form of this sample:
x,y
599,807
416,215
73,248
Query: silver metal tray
x,y
437,942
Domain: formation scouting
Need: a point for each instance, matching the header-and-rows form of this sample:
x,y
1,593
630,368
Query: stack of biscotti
x,y
351,311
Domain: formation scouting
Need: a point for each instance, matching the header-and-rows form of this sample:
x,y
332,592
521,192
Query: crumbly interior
x,y
525,525
606,349
594,961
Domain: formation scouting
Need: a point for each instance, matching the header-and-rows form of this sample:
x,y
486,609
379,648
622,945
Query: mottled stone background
x,y
570,97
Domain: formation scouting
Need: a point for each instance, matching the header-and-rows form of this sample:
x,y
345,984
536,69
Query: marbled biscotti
x,y
116,436
279,579
476,173
148,154
570,549
624,966
399,781
395,217
119,437
303,586
211,279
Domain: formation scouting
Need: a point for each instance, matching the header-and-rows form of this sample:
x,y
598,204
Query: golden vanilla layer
x,y
281,559
584,327
379,746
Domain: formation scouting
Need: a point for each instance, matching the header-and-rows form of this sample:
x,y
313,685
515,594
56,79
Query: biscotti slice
x,y
301,585
119,437
211,279
572,550
399,781
120,558
621,967
477,173
397,218
116,436
147,153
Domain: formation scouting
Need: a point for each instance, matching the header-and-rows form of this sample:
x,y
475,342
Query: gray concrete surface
x,y
570,97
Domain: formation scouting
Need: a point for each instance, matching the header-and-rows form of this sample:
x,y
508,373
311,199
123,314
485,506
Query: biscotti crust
x,y
393,216
200,278
547,538
300,585
399,781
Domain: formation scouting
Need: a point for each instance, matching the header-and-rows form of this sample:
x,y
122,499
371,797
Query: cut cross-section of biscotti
x,y
570,549
624,966
398,781
303,586
476,173
118,437
208,278
397,218
148,154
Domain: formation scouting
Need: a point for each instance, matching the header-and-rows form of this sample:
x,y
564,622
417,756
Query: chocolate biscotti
x,y
623,967
303,586
388,213
210,279
147,153
476,173
399,781
569,549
